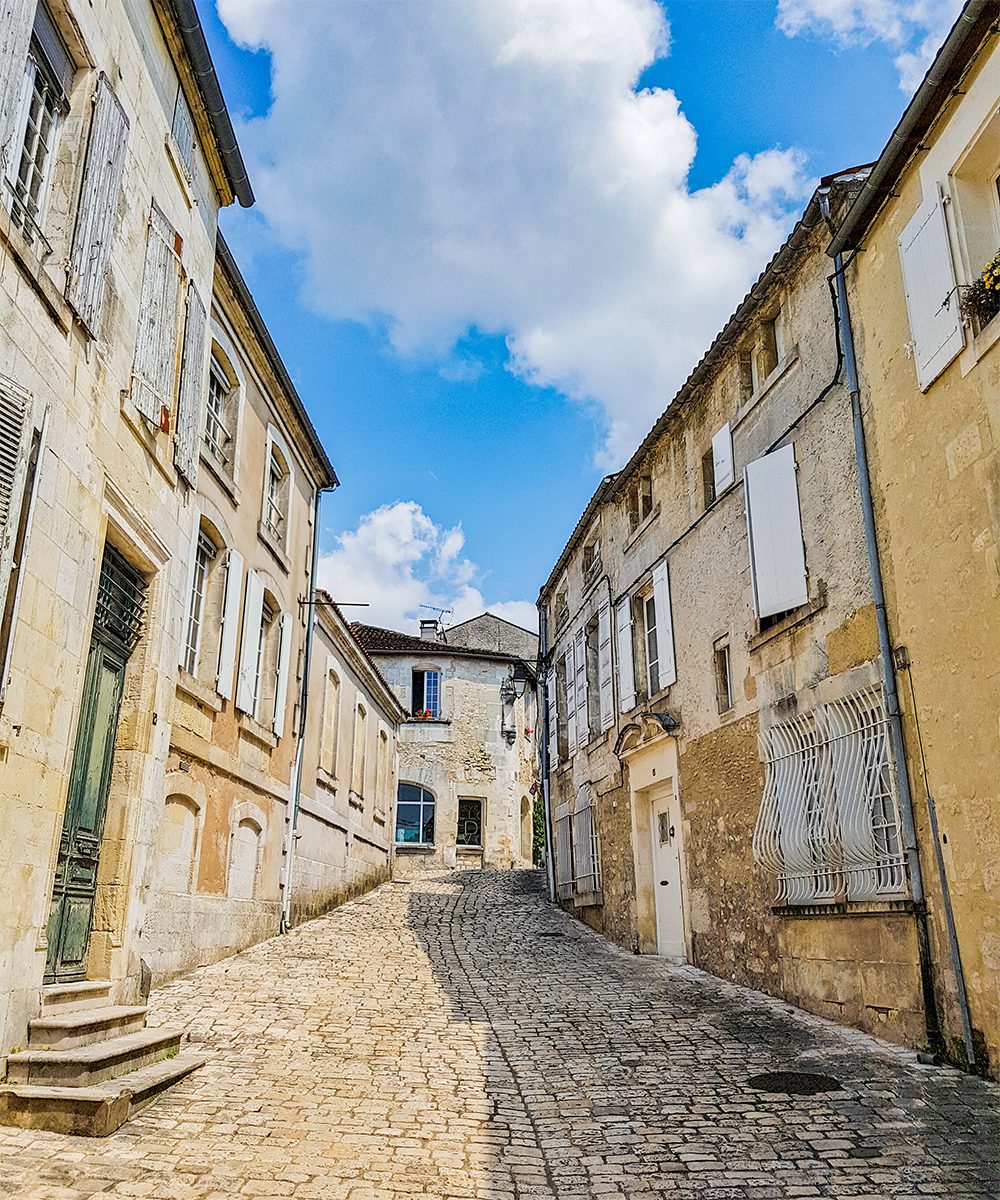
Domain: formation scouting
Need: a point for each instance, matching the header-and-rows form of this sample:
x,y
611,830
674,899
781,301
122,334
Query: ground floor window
x,y
470,822
414,816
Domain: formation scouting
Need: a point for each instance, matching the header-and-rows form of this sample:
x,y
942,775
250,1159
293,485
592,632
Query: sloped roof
x,y
375,640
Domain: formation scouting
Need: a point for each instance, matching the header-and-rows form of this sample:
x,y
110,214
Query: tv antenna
x,y
441,612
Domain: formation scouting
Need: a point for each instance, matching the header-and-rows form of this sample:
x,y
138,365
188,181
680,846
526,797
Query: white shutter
x,y
253,611
192,566
553,717
569,665
192,389
16,18
774,529
623,644
931,294
604,666
281,684
230,624
15,448
95,217
159,304
664,625
582,717
722,458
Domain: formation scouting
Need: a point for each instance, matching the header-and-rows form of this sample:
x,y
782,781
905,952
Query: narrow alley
x,y
457,1036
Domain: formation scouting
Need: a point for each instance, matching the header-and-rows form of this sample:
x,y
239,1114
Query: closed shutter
x,y
664,625
553,718
722,458
16,17
774,528
230,624
253,611
623,644
931,294
95,217
15,447
281,685
192,566
156,342
192,389
569,665
604,673
582,719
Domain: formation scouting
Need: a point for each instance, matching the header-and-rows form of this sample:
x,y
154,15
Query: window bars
x,y
828,827
121,602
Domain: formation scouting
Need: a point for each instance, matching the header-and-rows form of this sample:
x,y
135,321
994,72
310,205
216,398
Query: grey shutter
x,y
253,613
159,303
553,714
15,445
192,388
774,528
931,294
281,685
569,667
604,672
626,664
722,459
230,624
16,18
95,217
664,626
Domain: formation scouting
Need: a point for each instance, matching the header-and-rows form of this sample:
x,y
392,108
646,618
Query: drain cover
x,y
794,1083
549,933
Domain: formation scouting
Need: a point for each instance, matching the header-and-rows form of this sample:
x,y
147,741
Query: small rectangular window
x,y
592,651
560,610
770,347
652,652
639,501
708,479
182,130
218,420
723,677
562,708
592,557
746,374
426,694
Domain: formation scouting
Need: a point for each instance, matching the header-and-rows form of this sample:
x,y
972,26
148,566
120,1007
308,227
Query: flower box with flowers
x,y
981,299
424,714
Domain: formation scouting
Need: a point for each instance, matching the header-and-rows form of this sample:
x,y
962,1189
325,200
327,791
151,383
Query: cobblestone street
x,y
458,1037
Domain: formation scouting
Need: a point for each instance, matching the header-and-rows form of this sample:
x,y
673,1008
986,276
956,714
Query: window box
x,y
980,300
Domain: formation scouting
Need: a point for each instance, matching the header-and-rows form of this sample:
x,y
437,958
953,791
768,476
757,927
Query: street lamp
x,y
511,690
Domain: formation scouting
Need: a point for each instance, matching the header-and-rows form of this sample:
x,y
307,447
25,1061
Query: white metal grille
x,y
828,826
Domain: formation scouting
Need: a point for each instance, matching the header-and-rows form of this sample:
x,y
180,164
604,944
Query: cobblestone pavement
x,y
459,1038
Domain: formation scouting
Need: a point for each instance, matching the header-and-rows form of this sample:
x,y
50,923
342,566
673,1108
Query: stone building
x,y
467,773
217,878
916,242
722,782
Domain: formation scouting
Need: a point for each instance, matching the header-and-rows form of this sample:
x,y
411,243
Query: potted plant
x,y
981,299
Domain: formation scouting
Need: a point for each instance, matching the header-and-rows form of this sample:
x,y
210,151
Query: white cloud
x,y
398,559
913,28
465,163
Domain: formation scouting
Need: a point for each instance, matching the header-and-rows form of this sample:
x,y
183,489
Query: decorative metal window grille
x,y
121,601
217,433
203,560
470,822
828,826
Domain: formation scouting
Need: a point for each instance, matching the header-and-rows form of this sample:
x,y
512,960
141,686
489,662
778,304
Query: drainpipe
x,y
543,646
293,816
932,1023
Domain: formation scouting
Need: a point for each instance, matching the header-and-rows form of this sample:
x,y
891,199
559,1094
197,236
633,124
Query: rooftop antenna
x,y
441,612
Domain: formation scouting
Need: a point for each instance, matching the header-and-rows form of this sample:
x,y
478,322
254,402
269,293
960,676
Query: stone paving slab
x,y
431,1040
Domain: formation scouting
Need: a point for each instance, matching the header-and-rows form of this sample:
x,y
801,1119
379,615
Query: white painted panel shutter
x,y
16,17
722,458
774,527
230,624
193,386
604,672
95,216
553,718
159,310
281,685
570,667
582,719
623,644
15,449
664,625
192,566
931,294
246,677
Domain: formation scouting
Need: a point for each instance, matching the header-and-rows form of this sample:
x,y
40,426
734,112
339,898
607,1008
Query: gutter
x,y
189,27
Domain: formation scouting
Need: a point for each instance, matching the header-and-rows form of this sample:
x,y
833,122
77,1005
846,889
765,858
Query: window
x,y
708,479
414,816
244,860
470,822
563,666
266,625
770,348
265,655
828,827
639,501
647,609
360,761
560,610
331,724
577,859
182,131
723,677
592,557
777,556
426,694
48,76
220,418
746,374
205,554
275,494
592,653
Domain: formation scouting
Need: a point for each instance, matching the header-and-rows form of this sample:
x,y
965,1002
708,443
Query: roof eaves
x,y
593,504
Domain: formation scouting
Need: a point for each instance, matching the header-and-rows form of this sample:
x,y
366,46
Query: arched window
x,y
177,844
222,412
244,860
277,491
360,750
204,615
331,724
414,816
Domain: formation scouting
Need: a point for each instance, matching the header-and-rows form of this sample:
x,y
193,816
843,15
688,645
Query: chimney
x,y
429,628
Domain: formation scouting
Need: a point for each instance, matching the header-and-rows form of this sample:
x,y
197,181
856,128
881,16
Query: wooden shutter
x,y
159,304
95,216
664,625
281,685
230,624
192,389
722,458
253,611
774,529
15,447
553,718
626,665
604,673
582,717
931,294
16,18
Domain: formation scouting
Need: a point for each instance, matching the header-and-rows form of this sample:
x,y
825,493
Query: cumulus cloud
x,y
913,28
397,559
468,164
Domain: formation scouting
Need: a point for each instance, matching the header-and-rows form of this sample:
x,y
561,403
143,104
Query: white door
x,y
665,820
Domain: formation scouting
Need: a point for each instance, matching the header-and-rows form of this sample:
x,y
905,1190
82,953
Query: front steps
x,y
90,1065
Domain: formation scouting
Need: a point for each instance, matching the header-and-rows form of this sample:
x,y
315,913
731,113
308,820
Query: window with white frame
x,y
205,555
182,131
723,676
266,659
650,648
221,412
276,496
48,76
828,827
425,694
592,557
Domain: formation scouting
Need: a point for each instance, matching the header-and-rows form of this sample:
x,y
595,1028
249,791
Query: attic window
x,y
560,609
591,556
639,501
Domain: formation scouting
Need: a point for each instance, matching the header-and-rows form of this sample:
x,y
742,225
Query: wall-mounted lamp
x,y
511,690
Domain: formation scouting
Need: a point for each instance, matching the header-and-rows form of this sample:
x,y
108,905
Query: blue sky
x,y
462,477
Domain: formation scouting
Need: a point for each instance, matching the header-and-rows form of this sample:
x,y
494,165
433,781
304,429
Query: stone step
x,y
96,1110
86,1065
65,1031
72,997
